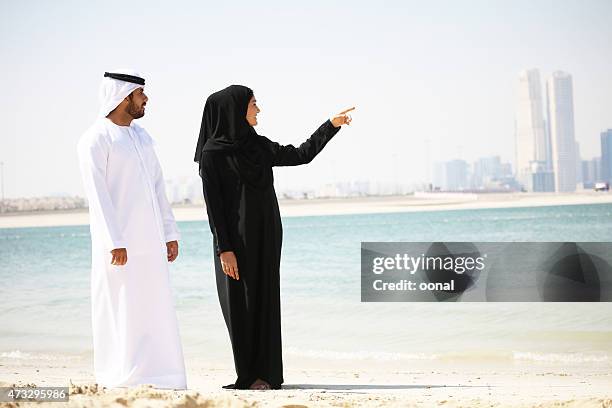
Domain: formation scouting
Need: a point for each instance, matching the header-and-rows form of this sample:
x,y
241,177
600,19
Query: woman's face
x,y
252,111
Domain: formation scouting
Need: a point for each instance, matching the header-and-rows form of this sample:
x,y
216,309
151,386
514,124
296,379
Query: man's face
x,y
136,103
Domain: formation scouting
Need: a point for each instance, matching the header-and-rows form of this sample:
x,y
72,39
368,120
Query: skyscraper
x,y
591,172
532,141
606,156
457,175
451,175
578,163
559,94
486,169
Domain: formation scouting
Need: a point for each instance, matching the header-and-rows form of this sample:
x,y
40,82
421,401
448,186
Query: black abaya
x,y
247,221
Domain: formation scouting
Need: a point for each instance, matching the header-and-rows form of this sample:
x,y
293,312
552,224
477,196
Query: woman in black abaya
x,y
236,170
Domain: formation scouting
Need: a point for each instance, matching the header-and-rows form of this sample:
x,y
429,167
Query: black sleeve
x,y
213,197
290,155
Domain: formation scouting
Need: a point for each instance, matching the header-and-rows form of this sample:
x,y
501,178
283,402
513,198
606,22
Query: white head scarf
x,y
113,91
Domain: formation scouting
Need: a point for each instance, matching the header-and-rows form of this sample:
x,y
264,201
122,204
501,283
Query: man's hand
x,y
229,264
119,256
172,248
342,118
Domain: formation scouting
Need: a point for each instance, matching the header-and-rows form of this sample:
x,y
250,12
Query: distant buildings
x,y
606,156
487,170
533,150
547,153
539,160
560,98
11,205
485,174
456,175
591,172
541,179
185,190
357,188
578,161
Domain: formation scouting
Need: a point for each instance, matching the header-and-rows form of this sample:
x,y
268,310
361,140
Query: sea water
x,y
45,294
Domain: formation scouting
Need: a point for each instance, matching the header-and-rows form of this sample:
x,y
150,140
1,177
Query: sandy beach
x,y
422,384
338,206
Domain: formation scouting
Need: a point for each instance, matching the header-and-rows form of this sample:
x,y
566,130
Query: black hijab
x,y
225,129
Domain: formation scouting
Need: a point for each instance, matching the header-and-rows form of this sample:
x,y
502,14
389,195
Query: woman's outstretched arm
x,y
289,155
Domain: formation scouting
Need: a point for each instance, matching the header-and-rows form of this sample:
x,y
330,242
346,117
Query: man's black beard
x,y
133,111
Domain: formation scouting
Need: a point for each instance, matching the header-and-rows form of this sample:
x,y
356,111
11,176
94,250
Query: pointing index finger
x,y
348,110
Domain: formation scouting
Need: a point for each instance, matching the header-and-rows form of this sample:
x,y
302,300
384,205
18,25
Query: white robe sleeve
x,y
93,158
171,231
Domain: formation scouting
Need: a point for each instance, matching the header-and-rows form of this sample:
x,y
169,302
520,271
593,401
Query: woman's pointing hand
x,y
342,118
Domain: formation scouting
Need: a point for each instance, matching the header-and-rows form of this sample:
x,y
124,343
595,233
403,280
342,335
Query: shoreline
x,y
419,202
420,384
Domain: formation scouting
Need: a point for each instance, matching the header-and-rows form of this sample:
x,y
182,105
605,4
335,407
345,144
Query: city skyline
x,y
530,125
431,82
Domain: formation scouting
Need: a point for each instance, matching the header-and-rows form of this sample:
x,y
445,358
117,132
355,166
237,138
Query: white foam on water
x,y
20,355
560,357
358,355
472,355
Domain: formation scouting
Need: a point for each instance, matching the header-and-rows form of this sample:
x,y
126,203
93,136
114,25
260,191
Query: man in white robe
x,y
134,236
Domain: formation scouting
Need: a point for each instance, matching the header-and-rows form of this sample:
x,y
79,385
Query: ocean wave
x,y
20,355
358,355
560,357
450,356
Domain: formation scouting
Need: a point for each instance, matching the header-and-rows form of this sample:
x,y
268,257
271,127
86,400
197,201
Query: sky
x,y
437,73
